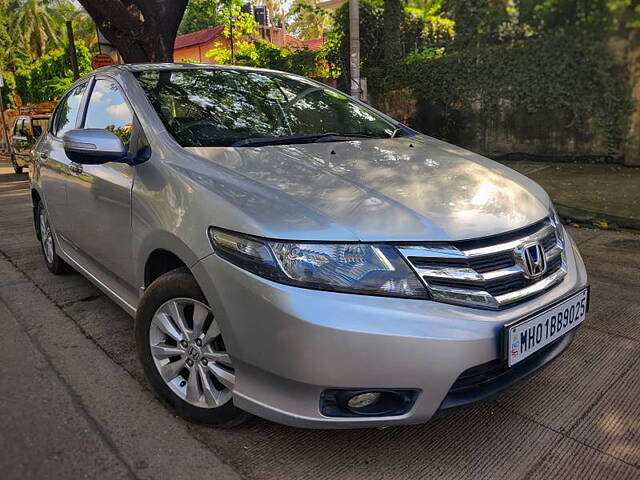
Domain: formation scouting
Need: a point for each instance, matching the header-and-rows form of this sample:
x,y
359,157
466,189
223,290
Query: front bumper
x,y
289,344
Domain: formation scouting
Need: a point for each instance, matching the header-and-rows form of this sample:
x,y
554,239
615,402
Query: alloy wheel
x,y
189,353
46,236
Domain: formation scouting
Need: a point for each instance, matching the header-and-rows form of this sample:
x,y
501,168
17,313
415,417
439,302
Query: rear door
x,y
99,196
54,166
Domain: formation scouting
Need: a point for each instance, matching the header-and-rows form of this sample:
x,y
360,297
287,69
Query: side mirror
x,y
93,146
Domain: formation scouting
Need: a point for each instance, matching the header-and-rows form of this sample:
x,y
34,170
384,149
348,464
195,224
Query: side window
x,y
67,112
38,125
18,126
109,110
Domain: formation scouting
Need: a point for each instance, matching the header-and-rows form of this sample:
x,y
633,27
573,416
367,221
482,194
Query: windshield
x,y
216,107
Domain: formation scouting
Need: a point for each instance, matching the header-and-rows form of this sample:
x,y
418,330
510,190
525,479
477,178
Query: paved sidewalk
x,y
68,411
46,433
601,194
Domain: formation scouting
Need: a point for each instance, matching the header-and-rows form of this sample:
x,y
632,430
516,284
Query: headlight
x,y
342,267
557,222
553,215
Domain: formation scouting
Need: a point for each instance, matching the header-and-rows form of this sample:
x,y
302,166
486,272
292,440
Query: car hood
x,y
403,189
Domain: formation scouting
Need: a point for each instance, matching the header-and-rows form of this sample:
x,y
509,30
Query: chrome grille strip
x,y
450,251
509,246
554,252
467,276
533,289
431,251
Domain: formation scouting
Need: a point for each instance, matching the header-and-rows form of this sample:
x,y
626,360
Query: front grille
x,y
486,380
490,272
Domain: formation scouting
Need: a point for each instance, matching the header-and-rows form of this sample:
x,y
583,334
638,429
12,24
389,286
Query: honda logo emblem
x,y
194,353
533,260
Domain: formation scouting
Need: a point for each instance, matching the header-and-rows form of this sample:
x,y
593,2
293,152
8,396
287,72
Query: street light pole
x,y
354,48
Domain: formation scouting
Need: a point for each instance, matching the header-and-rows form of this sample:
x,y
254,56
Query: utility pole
x,y
354,48
72,51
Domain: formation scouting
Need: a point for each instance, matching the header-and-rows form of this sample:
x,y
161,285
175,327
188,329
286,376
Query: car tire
x,y
15,166
54,263
188,390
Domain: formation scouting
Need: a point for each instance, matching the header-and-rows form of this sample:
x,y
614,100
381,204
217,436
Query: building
x,y
195,45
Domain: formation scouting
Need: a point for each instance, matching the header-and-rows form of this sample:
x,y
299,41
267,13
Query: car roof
x,y
144,67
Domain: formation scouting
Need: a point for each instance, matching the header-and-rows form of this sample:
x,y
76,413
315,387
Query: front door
x,y
53,164
99,196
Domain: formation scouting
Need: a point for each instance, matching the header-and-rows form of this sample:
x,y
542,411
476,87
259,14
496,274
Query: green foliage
x,y
424,54
570,75
38,26
487,60
201,14
264,54
393,16
50,76
6,57
307,20
259,53
237,24
481,22
413,36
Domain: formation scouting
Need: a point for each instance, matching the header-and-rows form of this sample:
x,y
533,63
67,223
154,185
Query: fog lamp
x,y
363,400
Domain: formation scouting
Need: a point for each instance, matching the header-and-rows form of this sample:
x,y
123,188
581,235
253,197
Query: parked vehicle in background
x,y
288,251
26,131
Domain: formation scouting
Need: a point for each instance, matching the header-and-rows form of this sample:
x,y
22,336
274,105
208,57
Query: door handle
x,y
75,168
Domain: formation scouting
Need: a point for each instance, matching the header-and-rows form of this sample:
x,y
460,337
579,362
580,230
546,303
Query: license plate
x,y
529,336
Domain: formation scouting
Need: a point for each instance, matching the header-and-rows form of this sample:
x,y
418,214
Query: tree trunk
x,y
141,30
391,31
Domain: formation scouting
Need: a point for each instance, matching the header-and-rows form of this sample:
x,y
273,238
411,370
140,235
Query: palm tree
x,y
309,21
274,10
37,24
83,27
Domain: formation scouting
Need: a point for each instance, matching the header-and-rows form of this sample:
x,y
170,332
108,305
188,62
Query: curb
x,y
580,215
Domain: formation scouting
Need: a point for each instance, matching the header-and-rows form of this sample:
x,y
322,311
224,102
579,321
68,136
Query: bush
x,y
416,34
571,75
265,54
49,77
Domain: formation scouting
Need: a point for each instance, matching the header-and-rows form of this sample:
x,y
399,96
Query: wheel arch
x,y
35,201
161,253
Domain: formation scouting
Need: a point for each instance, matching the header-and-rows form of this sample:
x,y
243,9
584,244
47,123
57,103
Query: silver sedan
x,y
290,252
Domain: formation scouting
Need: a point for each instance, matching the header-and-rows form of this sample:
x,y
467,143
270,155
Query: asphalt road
x,y
74,403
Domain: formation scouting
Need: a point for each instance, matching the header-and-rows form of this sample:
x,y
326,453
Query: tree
x,y
83,27
201,14
7,62
275,10
141,30
36,25
238,25
393,15
308,21
49,77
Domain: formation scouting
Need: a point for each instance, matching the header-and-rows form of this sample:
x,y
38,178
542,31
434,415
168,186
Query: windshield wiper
x,y
400,131
308,138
